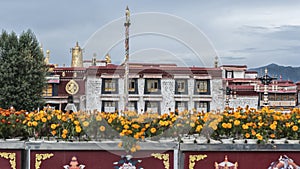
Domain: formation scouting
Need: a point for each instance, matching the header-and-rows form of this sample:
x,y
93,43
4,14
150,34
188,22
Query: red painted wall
x,y
246,160
98,159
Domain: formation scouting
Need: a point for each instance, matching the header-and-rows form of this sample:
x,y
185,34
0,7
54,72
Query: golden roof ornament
x,y
47,58
77,60
107,59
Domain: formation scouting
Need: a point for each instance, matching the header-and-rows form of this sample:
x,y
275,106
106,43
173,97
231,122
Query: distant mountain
x,y
286,72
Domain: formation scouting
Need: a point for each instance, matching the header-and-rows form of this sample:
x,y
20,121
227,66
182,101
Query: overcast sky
x,y
252,33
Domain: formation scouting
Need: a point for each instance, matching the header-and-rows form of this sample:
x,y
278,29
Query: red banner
x,y
99,159
10,159
241,160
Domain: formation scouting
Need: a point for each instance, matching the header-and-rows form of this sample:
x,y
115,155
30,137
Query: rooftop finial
x,y
216,61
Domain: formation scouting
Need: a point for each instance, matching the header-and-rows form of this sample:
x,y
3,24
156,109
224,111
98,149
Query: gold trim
x,y
11,157
193,158
164,157
72,87
40,157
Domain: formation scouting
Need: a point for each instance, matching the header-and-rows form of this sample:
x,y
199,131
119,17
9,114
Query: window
x,y
202,106
202,87
181,87
292,98
229,74
180,106
132,106
109,106
48,90
152,86
109,86
271,97
284,97
132,86
152,106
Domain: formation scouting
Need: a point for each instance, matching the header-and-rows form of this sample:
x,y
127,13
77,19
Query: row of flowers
x,y
240,123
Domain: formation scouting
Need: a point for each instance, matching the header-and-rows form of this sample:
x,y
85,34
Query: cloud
x,y
233,58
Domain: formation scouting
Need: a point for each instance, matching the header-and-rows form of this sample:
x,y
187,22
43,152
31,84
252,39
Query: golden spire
x,y
107,59
47,58
77,60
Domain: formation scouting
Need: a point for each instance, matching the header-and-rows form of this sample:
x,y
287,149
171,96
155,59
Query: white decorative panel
x,y
167,91
93,91
217,93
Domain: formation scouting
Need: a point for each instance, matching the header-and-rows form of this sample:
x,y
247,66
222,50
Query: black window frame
x,y
110,92
135,86
185,86
158,86
158,106
103,105
202,93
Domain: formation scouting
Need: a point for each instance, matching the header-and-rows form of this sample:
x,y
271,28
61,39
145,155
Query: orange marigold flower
x,y
295,128
63,136
65,131
53,126
44,120
237,122
78,129
34,123
76,122
245,126
153,130
272,135
247,135
85,123
102,128
53,132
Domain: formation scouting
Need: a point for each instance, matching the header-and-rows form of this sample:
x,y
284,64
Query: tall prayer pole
x,y
126,24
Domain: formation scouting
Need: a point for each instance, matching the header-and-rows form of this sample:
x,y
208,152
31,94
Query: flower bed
x,y
241,123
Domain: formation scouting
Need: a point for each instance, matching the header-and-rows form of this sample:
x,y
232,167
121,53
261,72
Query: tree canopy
x,y
22,71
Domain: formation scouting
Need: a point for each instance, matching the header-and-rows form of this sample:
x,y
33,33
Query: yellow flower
x,y
98,118
153,130
78,129
133,149
295,128
65,131
135,126
120,144
273,126
138,147
245,126
192,124
34,123
44,120
53,126
49,117
102,128
259,137
53,132
253,132
85,123
198,128
237,122
64,118
247,135
76,122
29,124
58,117
126,126
272,135
63,136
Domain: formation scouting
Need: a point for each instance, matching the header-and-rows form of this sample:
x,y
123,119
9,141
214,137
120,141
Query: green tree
x,y
22,71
